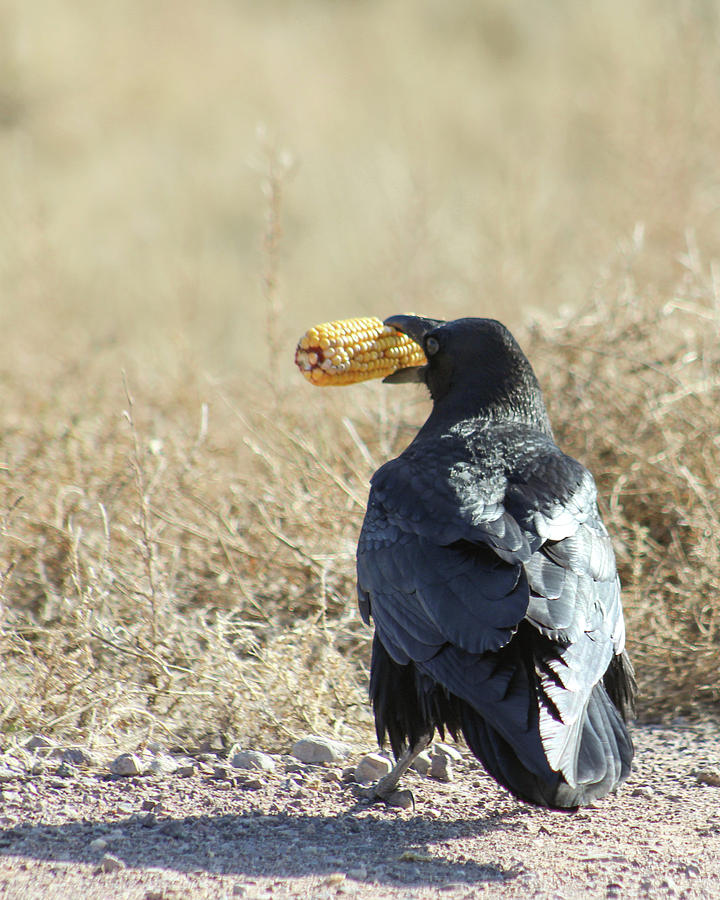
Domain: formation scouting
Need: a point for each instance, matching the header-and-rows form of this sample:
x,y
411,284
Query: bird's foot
x,y
385,790
399,799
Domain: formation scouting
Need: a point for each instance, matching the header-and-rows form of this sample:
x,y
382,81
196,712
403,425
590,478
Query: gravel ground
x,y
212,830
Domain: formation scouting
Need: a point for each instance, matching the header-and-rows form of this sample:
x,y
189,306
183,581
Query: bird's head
x,y
475,367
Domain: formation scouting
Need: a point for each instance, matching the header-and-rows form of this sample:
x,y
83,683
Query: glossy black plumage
x,y
491,581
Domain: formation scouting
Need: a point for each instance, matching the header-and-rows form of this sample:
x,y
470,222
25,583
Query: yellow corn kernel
x,y
350,350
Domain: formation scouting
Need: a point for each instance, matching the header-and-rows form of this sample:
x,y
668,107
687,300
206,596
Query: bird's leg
x,y
384,789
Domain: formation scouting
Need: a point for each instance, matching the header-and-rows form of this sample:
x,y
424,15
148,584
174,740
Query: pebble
x,y
71,756
251,784
160,764
109,863
441,768
421,763
99,844
187,767
38,742
371,767
254,760
314,749
446,750
127,764
708,776
401,799
214,743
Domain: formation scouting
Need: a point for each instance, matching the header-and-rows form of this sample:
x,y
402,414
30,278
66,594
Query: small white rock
x,y
161,764
422,763
447,750
99,844
441,768
110,863
253,760
313,749
371,767
127,764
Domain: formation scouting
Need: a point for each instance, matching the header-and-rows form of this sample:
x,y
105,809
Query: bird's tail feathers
x,y
603,760
407,704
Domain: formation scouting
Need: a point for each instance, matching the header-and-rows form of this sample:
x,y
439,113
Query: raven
x,y
491,582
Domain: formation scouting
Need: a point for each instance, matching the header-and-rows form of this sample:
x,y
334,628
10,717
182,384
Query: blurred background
x,y
474,157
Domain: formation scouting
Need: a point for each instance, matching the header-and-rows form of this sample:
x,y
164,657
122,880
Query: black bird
x,y
491,582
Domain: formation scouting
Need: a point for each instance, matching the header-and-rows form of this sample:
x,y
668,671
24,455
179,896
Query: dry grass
x,y
148,587
154,587
178,517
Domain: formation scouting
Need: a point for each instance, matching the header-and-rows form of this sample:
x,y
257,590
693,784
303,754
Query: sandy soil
x,y
301,832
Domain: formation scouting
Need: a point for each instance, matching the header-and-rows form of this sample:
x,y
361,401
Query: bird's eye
x,y
432,345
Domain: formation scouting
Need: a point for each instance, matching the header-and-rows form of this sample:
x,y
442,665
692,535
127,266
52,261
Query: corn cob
x,y
350,350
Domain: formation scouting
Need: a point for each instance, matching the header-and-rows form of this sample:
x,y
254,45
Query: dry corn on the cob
x,y
350,350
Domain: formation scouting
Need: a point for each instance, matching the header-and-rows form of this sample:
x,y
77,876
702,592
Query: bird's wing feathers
x,y
457,550
423,595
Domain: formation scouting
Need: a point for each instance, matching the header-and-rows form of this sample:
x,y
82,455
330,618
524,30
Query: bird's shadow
x,y
391,850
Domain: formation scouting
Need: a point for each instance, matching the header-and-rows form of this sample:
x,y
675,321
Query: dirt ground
x,y
300,831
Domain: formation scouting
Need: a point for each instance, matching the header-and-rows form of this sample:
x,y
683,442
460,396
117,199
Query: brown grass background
x,y
187,187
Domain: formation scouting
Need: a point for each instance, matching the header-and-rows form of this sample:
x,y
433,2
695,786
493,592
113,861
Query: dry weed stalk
x,y
277,166
147,538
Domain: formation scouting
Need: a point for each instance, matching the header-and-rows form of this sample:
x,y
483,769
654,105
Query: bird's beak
x,y
415,327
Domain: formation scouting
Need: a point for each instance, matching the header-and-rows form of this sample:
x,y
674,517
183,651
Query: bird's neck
x,y
514,406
